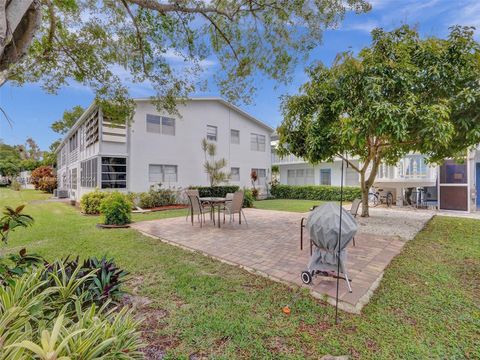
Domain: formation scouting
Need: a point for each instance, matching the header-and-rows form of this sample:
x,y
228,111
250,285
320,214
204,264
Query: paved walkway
x,y
269,245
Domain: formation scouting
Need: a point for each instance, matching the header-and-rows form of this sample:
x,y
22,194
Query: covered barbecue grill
x,y
323,226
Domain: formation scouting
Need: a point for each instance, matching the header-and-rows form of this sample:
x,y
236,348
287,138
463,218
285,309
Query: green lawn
x,y
286,205
427,306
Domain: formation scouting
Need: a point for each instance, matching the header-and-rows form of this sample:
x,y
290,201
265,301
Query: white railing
x,y
411,167
288,159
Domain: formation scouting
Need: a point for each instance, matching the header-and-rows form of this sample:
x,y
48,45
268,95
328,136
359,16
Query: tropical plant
x,y
44,178
12,219
402,94
38,321
116,209
212,166
13,265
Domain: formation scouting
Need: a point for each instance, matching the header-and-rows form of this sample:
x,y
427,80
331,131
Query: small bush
x,y
215,191
15,185
156,198
116,209
90,202
44,179
315,192
248,198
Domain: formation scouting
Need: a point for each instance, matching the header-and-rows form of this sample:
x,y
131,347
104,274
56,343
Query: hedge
x,y
315,192
215,191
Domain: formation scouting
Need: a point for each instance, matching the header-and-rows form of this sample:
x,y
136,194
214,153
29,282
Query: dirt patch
x,y
161,208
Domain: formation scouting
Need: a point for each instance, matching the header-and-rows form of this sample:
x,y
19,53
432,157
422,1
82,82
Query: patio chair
x,y
199,209
235,206
194,192
354,212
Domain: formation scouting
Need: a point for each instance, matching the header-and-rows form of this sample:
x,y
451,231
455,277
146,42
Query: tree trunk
x,y
365,189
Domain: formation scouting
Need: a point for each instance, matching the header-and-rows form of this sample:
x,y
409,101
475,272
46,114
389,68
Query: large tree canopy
x,y
106,44
403,94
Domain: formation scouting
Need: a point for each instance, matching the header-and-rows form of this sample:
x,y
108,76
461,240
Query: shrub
x,y
15,185
12,219
215,191
315,192
116,209
248,198
156,198
43,178
90,202
53,322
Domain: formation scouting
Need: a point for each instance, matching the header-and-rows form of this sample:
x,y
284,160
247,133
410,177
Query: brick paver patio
x,y
269,245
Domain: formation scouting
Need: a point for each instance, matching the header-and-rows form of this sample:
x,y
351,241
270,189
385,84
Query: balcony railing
x,y
411,167
289,159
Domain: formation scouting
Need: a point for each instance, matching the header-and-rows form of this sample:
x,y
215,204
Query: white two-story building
x,y
156,147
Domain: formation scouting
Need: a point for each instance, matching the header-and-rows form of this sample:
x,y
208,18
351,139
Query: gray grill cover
x,y
323,225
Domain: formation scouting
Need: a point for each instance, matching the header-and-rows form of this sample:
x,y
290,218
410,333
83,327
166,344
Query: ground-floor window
x,y
114,173
88,173
73,178
301,176
235,174
261,176
325,176
162,173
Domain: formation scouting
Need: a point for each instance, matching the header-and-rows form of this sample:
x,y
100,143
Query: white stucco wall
x,y
335,168
184,149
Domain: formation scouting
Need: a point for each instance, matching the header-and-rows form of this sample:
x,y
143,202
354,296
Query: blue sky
x,y
32,110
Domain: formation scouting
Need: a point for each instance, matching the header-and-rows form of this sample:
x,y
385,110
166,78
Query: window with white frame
x,y
301,176
261,176
211,133
114,173
88,173
73,142
73,178
234,136
162,173
325,176
257,142
235,174
160,125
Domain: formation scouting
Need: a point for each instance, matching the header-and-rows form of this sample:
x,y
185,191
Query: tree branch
x,y
176,6
349,162
139,36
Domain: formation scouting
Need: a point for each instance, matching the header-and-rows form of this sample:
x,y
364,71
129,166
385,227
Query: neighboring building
x,y
451,186
160,148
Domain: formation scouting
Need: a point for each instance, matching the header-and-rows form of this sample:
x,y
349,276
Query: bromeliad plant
x,y
38,321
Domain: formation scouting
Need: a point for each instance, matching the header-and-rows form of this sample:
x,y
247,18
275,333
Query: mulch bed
x,y
163,208
103,226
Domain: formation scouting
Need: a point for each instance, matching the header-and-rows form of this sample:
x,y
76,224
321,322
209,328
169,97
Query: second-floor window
x,y
160,125
211,133
235,136
257,142
73,142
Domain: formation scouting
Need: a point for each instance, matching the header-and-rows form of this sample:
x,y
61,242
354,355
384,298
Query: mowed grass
x,y
286,205
427,306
